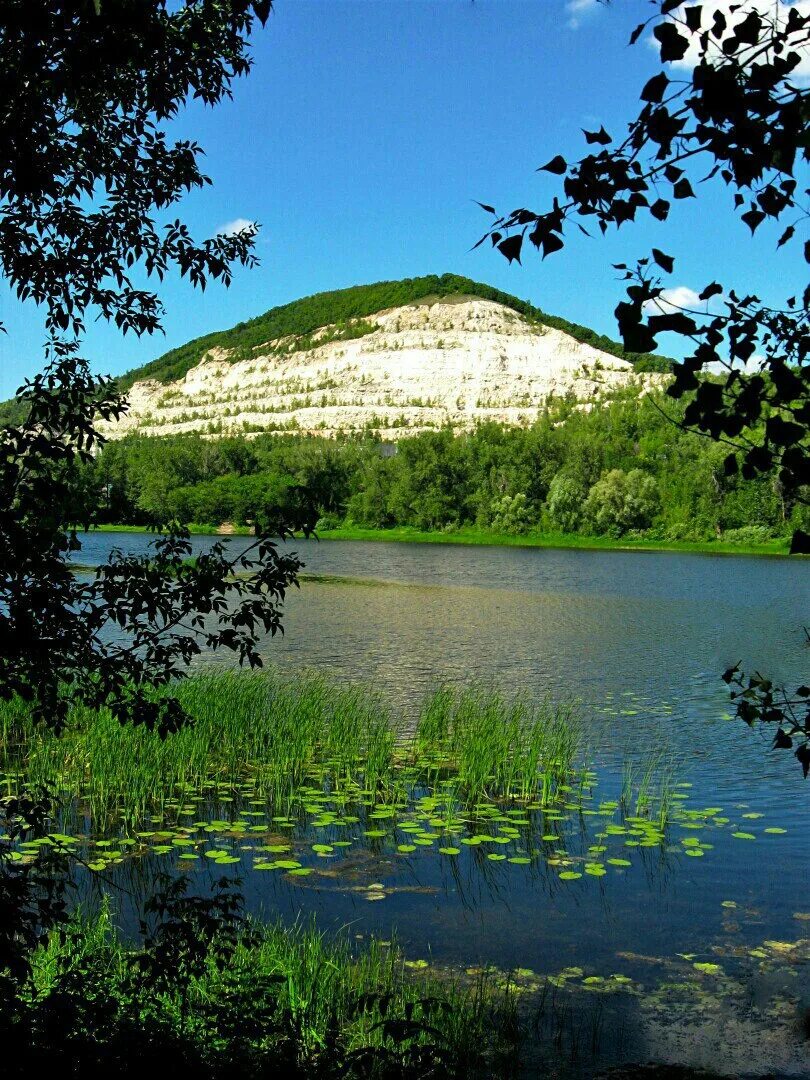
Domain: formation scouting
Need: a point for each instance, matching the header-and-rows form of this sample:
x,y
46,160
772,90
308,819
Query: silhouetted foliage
x,y
758,699
740,117
84,166
33,895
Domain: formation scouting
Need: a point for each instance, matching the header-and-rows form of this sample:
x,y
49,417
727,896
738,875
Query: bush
x,y
208,995
328,521
510,514
682,530
748,534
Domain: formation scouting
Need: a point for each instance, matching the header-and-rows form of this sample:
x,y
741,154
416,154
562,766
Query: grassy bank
x,y
195,529
208,994
484,537
487,538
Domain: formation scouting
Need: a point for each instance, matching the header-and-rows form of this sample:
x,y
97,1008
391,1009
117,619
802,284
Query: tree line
x,y
617,469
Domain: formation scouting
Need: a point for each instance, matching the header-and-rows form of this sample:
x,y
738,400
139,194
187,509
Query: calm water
x,y
641,640
590,624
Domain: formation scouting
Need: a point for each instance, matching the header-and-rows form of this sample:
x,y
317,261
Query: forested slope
x,y
621,470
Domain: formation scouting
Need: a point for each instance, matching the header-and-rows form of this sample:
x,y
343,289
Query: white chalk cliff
x,y
458,361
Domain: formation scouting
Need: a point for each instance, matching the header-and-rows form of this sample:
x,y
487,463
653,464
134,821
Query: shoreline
x,y
484,538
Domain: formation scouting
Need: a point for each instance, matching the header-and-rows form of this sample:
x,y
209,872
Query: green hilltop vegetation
x,y
302,317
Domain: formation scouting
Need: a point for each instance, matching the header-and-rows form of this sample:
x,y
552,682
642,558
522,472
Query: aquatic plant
x,y
279,730
647,788
298,776
497,746
255,725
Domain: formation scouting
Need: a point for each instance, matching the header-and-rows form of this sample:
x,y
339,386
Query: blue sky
x,y
365,133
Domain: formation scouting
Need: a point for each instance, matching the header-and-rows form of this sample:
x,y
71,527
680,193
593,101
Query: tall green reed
x,y
281,732
277,731
326,993
499,747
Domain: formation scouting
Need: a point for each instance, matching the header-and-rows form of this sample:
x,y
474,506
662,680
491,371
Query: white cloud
x,y
675,299
682,298
230,228
766,8
750,366
578,10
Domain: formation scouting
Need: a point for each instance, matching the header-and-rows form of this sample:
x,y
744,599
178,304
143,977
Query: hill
x,y
390,358
302,317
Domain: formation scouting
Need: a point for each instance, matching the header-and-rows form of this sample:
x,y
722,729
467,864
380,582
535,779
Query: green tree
x,y
85,165
510,514
429,491
620,501
369,505
566,498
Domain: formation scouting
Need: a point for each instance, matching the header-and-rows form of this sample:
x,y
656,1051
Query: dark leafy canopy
x,y
84,167
740,117
84,163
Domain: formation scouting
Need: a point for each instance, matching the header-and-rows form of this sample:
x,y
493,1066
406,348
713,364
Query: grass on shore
x,y
194,528
274,1000
486,538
